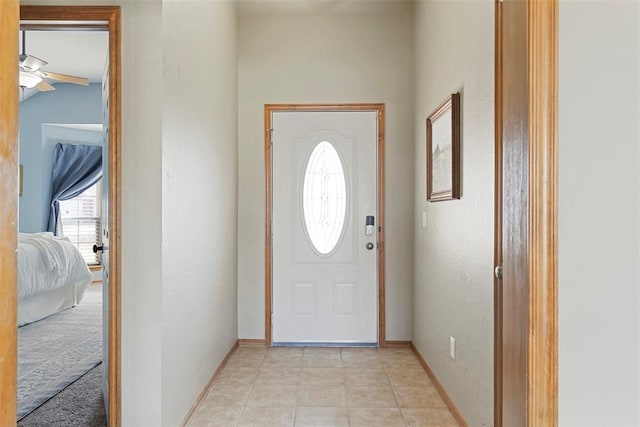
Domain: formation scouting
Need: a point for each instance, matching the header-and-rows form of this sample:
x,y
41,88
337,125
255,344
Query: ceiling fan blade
x,y
43,86
31,63
29,80
65,78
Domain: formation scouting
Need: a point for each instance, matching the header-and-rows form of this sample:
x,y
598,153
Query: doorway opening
x,y
102,19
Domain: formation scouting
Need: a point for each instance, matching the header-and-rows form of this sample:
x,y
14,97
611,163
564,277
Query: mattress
x,y
52,276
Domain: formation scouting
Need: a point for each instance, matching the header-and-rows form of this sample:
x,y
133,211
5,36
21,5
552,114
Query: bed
x,y
52,276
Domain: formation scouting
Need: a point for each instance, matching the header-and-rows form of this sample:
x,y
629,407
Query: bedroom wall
x,y
67,104
199,203
319,56
599,213
453,293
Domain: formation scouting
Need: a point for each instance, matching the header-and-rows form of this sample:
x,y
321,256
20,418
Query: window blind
x,y
81,222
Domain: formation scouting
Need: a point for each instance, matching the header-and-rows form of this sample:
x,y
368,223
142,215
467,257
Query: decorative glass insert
x,y
324,198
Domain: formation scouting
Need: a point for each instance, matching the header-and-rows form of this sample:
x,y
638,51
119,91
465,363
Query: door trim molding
x,y
542,340
9,101
542,334
268,110
111,16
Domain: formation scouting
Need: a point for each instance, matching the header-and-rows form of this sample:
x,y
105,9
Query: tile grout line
x,y
395,396
244,407
384,364
402,412
295,408
346,388
346,391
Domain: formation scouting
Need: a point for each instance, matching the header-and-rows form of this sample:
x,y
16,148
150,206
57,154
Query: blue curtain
x,y
75,169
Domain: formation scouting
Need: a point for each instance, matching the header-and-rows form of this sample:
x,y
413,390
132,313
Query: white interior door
x,y
324,185
105,236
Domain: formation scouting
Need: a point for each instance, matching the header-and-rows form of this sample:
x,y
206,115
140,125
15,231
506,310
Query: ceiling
x,y
79,53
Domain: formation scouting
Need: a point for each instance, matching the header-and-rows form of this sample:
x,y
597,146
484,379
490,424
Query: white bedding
x,y
47,264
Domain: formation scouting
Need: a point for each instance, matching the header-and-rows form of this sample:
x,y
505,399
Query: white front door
x,y
324,258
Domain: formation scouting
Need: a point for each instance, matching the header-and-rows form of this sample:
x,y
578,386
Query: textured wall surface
x,y
178,265
599,213
199,198
315,56
453,293
141,213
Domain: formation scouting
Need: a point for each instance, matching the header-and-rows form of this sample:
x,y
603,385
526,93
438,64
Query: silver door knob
x,y
498,272
369,246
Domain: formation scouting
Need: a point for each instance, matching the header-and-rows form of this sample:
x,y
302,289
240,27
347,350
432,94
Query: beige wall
x,y
322,57
141,295
178,286
453,294
199,197
599,213
170,308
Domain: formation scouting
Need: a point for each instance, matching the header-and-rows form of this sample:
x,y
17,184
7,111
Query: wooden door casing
x,y
109,18
542,337
9,101
526,208
380,108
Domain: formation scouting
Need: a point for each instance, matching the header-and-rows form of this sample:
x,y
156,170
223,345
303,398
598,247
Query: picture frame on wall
x,y
443,151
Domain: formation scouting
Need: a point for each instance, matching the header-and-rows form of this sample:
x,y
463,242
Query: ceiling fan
x,y
32,75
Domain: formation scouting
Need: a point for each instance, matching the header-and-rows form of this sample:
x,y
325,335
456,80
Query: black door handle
x,y
97,248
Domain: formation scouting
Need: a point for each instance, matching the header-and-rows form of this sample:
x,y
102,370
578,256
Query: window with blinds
x,y
81,222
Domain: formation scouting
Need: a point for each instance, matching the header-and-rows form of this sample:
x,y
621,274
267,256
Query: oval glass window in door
x,y
324,198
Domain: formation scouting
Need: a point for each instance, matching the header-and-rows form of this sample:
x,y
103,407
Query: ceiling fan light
x,y
29,80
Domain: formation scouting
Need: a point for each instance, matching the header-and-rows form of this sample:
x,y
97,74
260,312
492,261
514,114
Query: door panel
x,y
514,135
105,236
324,187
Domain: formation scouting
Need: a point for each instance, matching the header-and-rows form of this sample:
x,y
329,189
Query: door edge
x,y
497,221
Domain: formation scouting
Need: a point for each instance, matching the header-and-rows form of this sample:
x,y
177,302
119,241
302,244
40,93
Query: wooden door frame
x,y
268,116
110,16
542,336
9,102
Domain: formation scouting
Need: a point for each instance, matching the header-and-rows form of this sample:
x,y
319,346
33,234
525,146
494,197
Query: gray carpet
x,y
79,405
56,351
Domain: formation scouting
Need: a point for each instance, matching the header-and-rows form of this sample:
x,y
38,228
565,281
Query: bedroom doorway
x,y
91,20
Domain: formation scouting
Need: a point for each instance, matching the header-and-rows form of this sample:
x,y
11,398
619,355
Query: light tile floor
x,y
322,387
